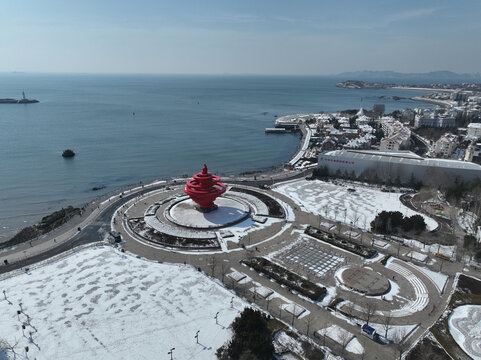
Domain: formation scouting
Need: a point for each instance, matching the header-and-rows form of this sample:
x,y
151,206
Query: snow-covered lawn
x,y
336,333
355,346
417,256
101,304
342,337
465,328
294,309
336,203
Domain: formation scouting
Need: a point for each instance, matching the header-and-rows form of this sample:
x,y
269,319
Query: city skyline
x,y
215,37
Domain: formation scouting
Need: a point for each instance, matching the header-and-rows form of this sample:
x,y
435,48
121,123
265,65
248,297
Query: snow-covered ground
x,y
336,203
342,337
467,221
417,256
395,333
101,304
447,250
465,328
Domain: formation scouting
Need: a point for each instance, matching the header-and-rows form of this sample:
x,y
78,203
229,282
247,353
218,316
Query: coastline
x,y
423,89
442,103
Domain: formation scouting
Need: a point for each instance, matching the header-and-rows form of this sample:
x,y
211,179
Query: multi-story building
x,y
396,136
473,153
446,145
474,130
434,121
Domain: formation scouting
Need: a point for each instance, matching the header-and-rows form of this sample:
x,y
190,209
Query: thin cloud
x,y
409,15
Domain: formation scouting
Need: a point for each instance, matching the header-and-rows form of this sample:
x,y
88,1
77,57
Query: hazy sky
x,y
261,37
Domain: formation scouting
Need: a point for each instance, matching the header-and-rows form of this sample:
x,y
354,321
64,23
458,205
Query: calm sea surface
x,y
128,128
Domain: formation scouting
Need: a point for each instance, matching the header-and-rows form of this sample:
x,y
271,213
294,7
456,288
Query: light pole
x,y
215,317
171,353
197,336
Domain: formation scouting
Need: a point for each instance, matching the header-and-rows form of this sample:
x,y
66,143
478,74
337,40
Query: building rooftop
x,y
407,157
475,125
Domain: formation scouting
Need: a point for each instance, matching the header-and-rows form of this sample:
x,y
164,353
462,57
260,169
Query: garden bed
x,y
149,234
345,244
275,209
287,278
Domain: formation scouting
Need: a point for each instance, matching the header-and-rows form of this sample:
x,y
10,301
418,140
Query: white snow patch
x,y
336,333
417,256
355,347
395,332
336,203
101,304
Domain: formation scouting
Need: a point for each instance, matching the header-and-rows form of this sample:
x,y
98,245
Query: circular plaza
x,y
203,214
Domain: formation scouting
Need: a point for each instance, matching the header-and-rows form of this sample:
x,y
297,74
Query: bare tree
x,y
344,338
350,305
309,322
400,344
369,310
223,271
386,323
212,265
7,347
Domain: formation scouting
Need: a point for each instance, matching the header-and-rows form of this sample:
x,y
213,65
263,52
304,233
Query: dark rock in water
x,y
95,188
68,153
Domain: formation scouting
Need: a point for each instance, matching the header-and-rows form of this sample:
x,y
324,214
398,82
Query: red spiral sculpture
x,y
204,188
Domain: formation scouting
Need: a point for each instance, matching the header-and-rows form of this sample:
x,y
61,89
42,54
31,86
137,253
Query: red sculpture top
x,y
204,189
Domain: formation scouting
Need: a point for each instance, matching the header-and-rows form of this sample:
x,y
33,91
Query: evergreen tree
x,y
251,339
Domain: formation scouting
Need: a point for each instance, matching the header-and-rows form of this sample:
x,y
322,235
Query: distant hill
x,y
433,76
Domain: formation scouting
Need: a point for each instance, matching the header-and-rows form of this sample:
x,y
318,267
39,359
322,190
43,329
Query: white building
x,y
396,136
392,164
446,145
474,129
472,152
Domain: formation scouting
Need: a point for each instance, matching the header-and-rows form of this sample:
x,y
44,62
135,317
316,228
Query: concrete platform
x,y
229,211
365,281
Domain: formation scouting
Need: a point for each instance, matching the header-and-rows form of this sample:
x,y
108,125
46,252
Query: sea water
x,y
130,128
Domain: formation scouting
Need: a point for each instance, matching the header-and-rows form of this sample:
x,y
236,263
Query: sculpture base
x,y
202,210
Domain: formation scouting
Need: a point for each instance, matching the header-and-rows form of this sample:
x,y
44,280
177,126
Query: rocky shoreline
x,y
47,224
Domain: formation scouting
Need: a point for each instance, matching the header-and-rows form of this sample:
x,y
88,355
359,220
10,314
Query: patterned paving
x,y
313,259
